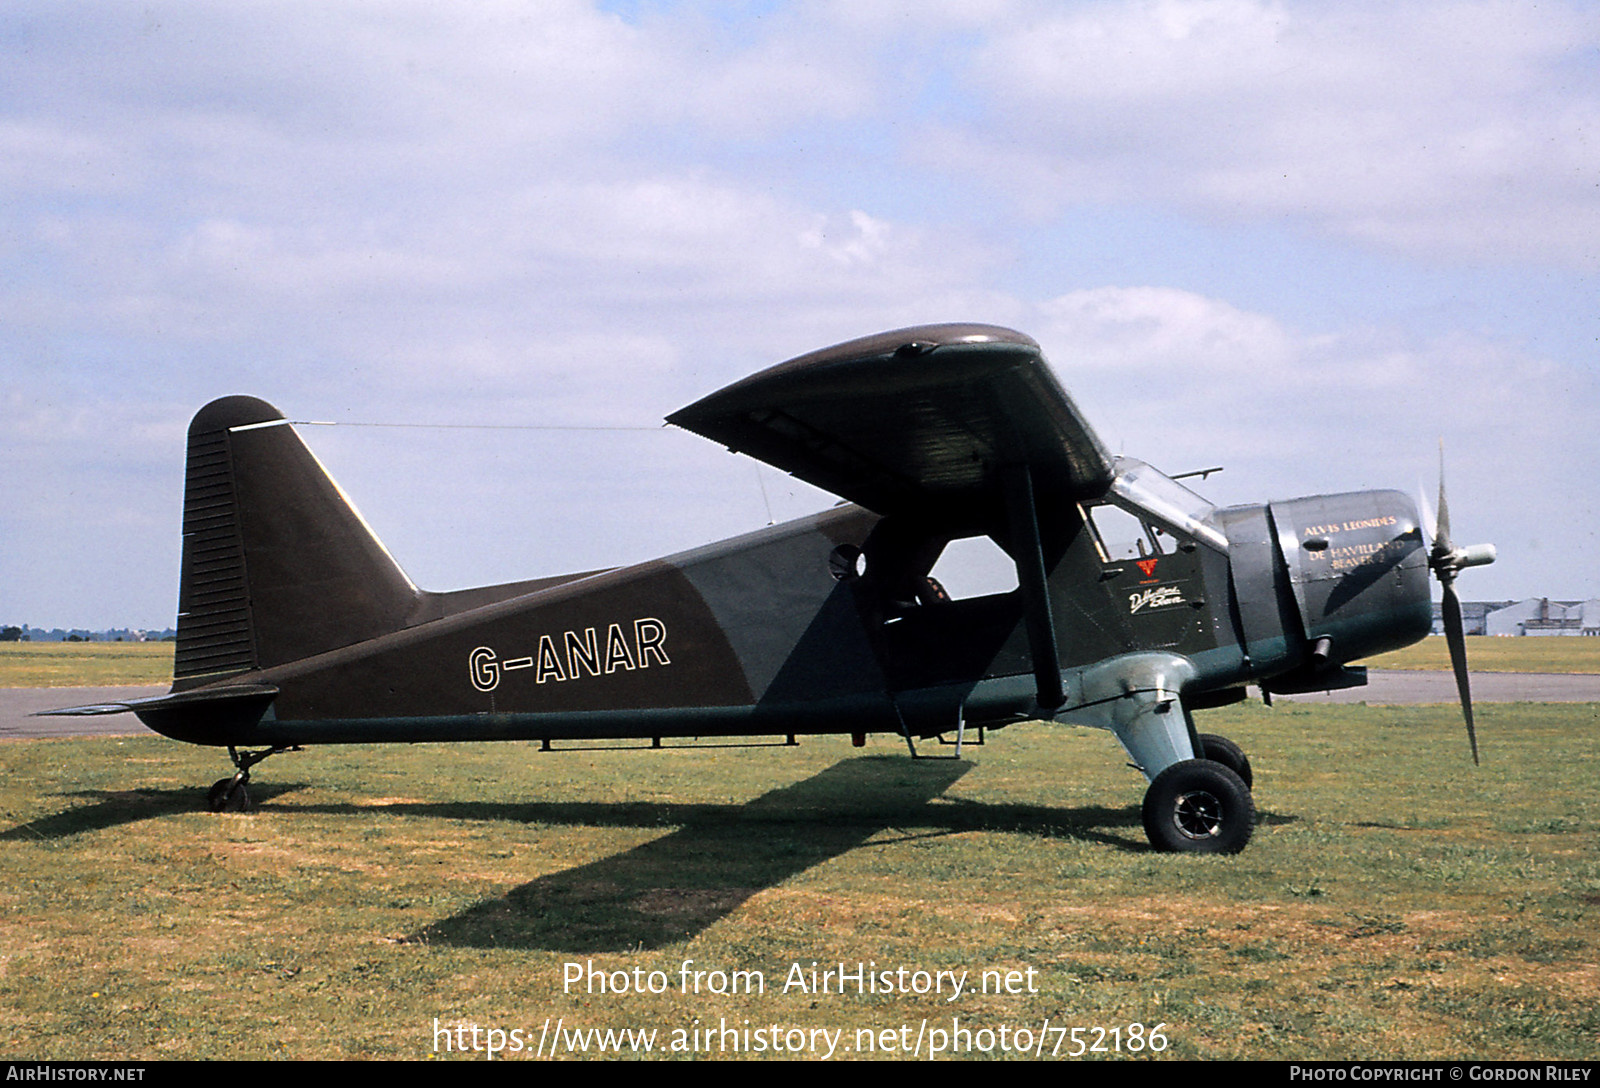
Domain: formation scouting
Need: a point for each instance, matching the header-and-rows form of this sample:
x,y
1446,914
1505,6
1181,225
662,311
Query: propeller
x,y
1446,560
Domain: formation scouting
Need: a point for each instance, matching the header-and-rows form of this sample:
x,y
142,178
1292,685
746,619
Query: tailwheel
x,y
228,795
1199,807
233,794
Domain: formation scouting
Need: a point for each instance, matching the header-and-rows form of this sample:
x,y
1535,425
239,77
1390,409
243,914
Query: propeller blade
x,y
1430,524
1441,529
1446,561
1455,636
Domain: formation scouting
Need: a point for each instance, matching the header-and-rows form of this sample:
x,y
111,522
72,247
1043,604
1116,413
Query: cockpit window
x,y
1153,497
1121,536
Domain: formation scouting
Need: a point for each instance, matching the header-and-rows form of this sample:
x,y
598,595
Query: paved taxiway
x,y
17,705
1410,688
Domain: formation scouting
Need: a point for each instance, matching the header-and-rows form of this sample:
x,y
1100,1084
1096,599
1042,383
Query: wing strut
x,y
1026,549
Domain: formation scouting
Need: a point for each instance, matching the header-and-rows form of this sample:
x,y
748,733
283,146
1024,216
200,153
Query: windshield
x,y
1140,489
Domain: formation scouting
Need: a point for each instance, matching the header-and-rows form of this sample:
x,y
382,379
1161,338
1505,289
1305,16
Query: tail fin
x,y
277,565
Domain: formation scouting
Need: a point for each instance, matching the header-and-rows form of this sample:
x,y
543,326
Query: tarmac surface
x,y
1415,687
1389,688
17,705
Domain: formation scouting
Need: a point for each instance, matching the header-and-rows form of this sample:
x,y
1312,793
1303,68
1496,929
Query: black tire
x,y
1230,755
227,795
1199,807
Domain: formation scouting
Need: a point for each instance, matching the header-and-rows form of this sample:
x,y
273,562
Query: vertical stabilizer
x,y
277,565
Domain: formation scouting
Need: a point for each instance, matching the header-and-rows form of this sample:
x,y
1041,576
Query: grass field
x,y
99,664
1395,903
1559,655
84,664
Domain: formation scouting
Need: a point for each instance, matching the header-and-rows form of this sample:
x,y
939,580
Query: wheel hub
x,y
1198,815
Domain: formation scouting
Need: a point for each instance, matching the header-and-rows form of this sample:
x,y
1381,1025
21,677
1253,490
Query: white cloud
x,y
1139,329
1465,130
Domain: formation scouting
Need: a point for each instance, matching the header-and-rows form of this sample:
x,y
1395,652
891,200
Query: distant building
x,y
1534,616
1542,616
1473,615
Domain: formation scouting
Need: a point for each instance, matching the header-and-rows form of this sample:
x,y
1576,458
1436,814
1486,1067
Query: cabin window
x,y
974,567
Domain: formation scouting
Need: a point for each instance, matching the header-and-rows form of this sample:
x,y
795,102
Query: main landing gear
x,y
233,794
1202,806
1230,755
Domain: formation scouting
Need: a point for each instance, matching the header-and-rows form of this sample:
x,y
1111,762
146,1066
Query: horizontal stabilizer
x,y
89,711
199,716
178,700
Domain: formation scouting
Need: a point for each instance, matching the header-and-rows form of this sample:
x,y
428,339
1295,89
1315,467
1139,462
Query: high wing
x,y
912,421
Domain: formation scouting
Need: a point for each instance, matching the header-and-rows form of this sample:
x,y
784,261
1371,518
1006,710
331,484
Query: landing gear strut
x,y
233,794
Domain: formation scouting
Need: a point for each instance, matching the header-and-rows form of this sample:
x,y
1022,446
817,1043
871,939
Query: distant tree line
x,y
56,634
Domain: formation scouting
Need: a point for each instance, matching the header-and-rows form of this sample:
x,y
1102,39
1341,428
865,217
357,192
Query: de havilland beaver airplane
x,y
296,626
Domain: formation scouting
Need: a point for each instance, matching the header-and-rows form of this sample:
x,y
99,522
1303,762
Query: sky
x,y
1304,241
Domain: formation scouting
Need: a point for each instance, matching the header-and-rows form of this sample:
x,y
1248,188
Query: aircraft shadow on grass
x,y
671,888
115,808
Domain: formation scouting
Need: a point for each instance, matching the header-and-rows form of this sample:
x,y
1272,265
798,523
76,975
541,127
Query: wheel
x,y
1199,807
228,795
1230,755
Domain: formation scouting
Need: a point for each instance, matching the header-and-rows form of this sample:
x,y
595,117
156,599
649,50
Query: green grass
x,y
84,664
1395,903
1485,654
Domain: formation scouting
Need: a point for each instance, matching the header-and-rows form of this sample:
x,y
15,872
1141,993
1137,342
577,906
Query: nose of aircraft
x,y
1358,570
